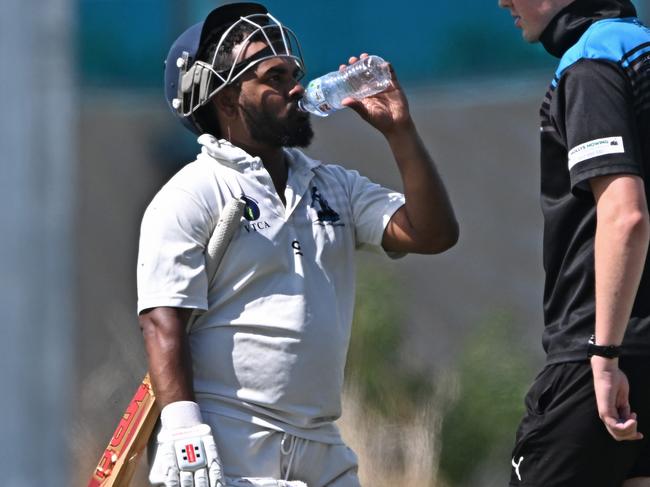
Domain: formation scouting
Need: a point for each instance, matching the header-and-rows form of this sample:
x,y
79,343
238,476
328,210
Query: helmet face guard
x,y
190,84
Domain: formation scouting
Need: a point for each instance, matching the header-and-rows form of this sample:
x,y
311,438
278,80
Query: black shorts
x,y
561,442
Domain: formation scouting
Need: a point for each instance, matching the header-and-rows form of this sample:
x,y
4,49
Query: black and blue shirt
x,y
595,121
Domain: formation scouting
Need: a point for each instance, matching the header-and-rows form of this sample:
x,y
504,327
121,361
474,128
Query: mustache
x,y
295,112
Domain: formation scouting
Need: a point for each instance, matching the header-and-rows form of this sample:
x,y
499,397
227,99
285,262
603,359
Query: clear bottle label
x,y
325,107
316,91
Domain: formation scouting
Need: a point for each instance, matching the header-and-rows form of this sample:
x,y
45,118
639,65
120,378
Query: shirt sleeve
x,y
372,208
599,122
171,259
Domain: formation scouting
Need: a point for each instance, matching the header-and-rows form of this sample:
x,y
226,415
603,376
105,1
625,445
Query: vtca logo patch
x,y
252,210
252,214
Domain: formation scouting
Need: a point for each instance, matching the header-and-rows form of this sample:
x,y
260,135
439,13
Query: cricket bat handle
x,y
119,460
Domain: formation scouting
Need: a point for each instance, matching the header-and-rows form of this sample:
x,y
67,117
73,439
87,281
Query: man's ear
x,y
227,101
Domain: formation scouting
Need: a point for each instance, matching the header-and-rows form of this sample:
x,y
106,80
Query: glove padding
x,y
187,454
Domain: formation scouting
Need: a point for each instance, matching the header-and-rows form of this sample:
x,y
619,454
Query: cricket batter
x,y
254,389
581,426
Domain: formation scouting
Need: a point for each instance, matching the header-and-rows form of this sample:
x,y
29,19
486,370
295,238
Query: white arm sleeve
x,y
171,262
372,206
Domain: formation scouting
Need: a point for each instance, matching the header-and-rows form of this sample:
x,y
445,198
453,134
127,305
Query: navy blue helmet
x,y
191,83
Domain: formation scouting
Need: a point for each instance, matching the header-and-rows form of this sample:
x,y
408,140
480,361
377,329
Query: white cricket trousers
x,y
249,450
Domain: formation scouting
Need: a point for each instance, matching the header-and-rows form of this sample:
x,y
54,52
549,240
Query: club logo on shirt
x,y
252,210
252,214
326,215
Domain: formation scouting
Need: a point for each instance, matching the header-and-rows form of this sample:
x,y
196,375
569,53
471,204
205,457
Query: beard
x,y
264,127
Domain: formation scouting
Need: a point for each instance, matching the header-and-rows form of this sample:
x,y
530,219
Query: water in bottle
x,y
366,77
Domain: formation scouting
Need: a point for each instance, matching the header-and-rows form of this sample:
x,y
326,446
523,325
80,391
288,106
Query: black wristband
x,y
607,351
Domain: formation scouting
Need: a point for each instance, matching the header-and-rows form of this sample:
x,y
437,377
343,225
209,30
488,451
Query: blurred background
x,y
443,347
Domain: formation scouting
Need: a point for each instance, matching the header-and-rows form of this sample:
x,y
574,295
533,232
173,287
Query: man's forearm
x,y
428,207
168,354
620,253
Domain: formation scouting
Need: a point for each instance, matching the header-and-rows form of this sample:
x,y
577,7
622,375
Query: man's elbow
x,y
147,322
635,225
444,239
164,326
152,329
639,224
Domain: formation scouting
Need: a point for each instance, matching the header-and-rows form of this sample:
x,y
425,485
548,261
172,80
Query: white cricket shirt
x,y
271,345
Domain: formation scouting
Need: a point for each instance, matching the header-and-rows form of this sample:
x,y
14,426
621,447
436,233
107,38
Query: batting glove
x,y
187,454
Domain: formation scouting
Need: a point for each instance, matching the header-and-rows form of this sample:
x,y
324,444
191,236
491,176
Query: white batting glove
x,y
187,454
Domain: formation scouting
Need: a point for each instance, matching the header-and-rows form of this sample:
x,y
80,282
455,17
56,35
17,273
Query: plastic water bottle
x,y
366,77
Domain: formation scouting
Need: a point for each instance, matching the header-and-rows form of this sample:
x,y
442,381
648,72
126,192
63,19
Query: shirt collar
x,y
232,156
569,24
299,162
225,153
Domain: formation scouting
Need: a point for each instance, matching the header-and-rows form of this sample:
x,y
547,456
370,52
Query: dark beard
x,y
294,131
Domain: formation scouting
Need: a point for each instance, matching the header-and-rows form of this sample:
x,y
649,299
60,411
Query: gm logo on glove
x,y
190,456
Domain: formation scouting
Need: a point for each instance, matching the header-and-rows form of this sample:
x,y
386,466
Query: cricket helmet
x,y
195,71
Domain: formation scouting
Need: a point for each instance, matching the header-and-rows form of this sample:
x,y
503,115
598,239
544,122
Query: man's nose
x,y
297,91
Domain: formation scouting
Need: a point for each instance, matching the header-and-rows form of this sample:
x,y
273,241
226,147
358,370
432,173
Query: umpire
x,y
581,426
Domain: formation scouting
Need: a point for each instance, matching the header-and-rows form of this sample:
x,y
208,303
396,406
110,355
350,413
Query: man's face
x,y
268,103
533,16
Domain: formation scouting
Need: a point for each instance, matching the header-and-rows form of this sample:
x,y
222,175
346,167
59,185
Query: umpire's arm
x,y
622,235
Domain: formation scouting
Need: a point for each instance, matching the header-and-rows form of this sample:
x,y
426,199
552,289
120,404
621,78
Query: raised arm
x,y
426,223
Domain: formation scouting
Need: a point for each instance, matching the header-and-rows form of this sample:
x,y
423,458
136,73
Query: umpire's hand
x,y
612,396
